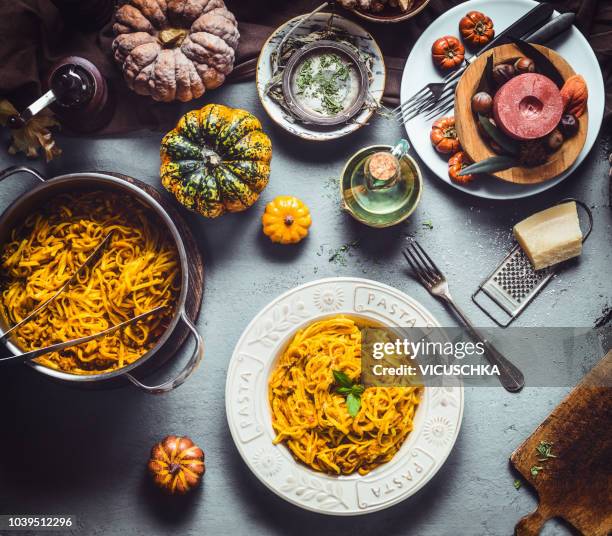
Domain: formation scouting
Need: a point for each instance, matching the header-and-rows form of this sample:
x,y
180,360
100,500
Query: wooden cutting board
x,y
577,484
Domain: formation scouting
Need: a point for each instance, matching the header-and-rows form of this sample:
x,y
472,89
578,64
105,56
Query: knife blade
x,y
552,29
528,23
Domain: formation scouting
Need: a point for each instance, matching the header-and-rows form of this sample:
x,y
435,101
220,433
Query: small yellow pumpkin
x,y
286,220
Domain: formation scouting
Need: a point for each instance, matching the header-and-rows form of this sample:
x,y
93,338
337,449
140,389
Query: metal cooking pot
x,y
36,197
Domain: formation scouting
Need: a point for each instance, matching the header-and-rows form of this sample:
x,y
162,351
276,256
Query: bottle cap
x,y
383,166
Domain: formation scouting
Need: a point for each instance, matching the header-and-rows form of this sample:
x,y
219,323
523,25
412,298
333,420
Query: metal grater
x,y
514,283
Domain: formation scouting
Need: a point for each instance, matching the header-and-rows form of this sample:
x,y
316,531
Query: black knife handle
x,y
528,23
552,29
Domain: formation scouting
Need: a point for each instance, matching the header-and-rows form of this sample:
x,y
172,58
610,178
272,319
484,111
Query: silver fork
x,y
434,281
427,97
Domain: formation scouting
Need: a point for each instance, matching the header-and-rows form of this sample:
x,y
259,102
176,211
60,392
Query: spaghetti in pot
x,y
312,419
138,271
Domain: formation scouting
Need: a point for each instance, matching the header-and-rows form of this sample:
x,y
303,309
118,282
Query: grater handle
x,y
510,376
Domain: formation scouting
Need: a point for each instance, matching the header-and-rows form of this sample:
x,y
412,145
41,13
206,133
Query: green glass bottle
x,y
381,185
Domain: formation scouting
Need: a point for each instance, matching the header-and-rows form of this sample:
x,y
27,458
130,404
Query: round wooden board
x,y
196,278
478,150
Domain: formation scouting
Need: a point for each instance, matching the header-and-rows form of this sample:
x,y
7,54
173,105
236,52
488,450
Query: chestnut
x,y
569,125
482,103
503,72
554,140
524,65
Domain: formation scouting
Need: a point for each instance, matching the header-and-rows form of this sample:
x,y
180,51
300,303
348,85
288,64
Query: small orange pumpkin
x,y
177,464
447,52
575,94
476,28
455,164
443,135
286,220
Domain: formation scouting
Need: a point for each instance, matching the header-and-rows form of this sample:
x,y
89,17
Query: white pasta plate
x,y
436,423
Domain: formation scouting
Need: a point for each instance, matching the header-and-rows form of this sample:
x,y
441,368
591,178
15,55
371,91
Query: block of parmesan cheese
x,y
550,236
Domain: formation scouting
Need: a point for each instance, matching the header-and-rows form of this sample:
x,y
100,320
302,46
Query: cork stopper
x,y
383,166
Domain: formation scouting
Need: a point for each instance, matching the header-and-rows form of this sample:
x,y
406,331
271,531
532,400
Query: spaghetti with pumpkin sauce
x,y
312,418
138,271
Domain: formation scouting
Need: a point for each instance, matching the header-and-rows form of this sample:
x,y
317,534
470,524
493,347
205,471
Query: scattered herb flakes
x,y
427,225
338,256
331,185
536,469
324,79
544,449
517,484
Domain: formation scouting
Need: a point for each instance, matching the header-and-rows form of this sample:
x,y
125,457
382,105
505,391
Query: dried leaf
x,y
6,110
36,133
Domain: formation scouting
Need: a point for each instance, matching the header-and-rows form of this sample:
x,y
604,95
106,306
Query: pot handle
x,y
192,364
4,174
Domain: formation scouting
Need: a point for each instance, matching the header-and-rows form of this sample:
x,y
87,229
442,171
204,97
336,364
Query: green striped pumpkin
x,y
216,160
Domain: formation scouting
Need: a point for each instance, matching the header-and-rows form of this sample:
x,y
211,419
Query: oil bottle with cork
x,y
381,185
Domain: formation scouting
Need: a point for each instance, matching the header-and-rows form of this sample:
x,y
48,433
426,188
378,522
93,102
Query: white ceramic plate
x,y
436,424
572,46
365,43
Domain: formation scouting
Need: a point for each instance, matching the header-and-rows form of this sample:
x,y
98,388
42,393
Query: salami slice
x,y
528,106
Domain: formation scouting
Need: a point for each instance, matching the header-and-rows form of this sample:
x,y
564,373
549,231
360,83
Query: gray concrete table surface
x,y
68,451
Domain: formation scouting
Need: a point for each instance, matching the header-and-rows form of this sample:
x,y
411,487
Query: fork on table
x,y
435,282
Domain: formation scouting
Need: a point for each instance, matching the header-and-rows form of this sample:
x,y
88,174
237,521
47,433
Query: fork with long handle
x,y
427,97
435,282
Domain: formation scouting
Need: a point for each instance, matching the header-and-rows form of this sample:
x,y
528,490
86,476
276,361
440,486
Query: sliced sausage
x,y
528,106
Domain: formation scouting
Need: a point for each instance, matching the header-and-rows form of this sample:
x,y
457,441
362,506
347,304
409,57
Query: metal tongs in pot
x,y
90,261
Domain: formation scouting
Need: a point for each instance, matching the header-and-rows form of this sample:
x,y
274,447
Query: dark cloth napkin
x,y
33,35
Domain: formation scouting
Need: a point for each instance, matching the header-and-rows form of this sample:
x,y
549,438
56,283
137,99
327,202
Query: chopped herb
x,y
544,449
324,81
352,391
427,224
517,484
536,469
339,255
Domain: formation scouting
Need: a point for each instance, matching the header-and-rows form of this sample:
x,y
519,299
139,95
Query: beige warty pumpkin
x,y
175,49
